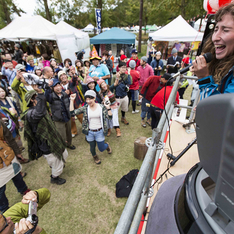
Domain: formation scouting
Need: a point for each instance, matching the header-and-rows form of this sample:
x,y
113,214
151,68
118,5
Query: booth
x,y
38,28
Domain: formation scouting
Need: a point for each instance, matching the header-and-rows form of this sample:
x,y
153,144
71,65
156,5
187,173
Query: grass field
x,y
87,202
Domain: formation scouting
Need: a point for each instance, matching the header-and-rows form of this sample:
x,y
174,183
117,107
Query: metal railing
x,y
136,203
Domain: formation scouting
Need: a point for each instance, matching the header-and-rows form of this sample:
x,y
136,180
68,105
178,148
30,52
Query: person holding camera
x,y
42,135
15,218
94,124
121,82
109,98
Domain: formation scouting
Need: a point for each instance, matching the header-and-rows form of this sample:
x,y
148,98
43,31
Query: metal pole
x,y
142,204
134,197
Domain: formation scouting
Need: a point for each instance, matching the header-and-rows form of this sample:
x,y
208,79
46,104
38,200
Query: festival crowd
x,y
44,98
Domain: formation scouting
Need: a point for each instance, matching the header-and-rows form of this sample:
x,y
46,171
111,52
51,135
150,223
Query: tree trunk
x,y
140,26
48,16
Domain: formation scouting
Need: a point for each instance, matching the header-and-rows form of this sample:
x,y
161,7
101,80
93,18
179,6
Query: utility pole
x,y
140,26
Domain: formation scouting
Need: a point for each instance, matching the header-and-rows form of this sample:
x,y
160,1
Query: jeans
x,y
155,116
19,184
144,109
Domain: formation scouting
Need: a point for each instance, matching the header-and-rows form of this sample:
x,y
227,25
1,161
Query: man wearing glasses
x,y
15,217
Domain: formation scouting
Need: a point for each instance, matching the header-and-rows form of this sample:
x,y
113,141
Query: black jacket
x,y
171,61
60,107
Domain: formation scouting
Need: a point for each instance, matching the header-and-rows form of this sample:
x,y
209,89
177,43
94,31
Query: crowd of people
x,y
45,99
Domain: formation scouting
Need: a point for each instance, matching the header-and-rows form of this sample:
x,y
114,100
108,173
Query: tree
x,y
44,10
7,8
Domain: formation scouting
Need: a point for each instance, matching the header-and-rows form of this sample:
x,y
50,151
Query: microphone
x,y
208,57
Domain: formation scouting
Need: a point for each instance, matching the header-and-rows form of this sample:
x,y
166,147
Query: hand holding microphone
x,y
199,66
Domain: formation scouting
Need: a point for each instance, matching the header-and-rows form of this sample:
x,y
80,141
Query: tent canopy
x,y
114,36
177,30
34,27
38,28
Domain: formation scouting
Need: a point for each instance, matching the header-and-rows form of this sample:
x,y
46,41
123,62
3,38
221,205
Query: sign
x,y
98,19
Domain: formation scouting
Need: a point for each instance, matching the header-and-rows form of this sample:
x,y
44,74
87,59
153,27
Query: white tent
x,y
81,39
177,30
38,28
203,25
88,28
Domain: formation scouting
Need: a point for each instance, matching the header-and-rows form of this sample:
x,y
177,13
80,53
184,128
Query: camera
x,y
126,88
33,79
106,100
32,216
70,63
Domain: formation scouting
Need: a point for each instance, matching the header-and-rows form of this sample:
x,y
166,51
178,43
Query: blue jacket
x,y
153,64
210,88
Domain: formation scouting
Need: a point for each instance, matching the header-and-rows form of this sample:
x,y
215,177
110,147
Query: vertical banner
x,y
98,19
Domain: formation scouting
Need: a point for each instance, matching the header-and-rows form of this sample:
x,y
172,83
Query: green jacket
x,y
20,210
85,122
19,88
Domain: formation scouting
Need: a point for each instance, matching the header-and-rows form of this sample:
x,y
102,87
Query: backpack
x,y
6,152
124,186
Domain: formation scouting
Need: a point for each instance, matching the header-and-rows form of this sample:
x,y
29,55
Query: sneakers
x,y
148,122
96,159
109,132
123,120
72,147
118,133
143,123
136,111
109,151
57,180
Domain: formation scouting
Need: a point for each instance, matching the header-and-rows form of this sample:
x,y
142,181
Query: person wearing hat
x,y
157,64
15,217
173,62
121,82
90,84
10,168
94,124
134,87
134,57
37,71
59,105
105,93
123,58
159,101
98,71
30,64
42,135
8,57
70,87
152,54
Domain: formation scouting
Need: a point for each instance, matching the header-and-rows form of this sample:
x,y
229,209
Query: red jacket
x,y
135,79
152,85
158,99
137,62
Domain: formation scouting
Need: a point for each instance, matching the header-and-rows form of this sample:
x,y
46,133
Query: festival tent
x,y
38,28
114,36
88,28
81,38
203,25
177,30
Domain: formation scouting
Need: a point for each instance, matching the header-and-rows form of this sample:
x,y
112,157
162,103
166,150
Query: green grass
x,y
87,202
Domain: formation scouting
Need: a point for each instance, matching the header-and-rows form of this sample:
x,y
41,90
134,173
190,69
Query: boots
x,y
118,133
109,132
96,159
123,120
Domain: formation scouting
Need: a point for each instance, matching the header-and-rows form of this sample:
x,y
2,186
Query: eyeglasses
x,y
6,224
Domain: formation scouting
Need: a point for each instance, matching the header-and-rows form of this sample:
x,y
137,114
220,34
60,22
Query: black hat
x,y
166,76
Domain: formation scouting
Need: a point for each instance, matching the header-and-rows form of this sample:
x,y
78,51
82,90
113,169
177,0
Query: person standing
x,y
157,64
121,82
135,58
94,124
30,64
98,71
59,104
18,54
173,62
134,87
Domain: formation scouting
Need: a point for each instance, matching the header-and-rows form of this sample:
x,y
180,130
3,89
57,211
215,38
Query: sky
x,y
26,5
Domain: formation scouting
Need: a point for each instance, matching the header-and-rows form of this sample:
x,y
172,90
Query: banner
x,y
98,19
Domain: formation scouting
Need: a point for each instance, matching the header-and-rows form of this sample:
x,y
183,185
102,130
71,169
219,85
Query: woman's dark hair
x,y
45,56
218,68
4,90
67,60
33,98
88,96
105,52
82,64
121,64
